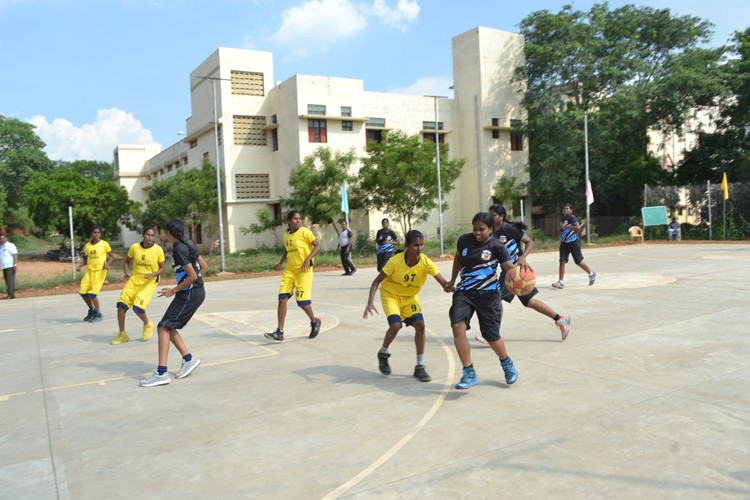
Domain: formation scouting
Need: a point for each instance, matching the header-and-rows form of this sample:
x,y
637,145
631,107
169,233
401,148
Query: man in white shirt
x,y
345,244
8,260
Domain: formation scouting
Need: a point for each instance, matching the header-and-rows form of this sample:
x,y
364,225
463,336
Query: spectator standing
x,y
385,241
345,247
9,260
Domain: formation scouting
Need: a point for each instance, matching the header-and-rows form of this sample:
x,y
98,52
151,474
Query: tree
x,y
188,195
728,148
101,203
629,69
398,176
266,222
316,185
92,169
21,156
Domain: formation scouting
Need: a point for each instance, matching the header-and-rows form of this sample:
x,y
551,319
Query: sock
x,y
420,359
161,370
557,316
187,357
383,349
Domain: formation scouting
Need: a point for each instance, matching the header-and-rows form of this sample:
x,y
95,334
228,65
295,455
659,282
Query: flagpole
x,y
588,183
710,226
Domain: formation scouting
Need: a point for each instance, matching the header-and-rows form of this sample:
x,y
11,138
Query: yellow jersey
x,y
96,255
298,245
404,280
145,260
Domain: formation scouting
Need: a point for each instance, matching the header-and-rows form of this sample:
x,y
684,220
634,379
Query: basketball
x,y
520,281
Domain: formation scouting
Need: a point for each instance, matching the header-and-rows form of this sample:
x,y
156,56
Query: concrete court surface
x,y
648,398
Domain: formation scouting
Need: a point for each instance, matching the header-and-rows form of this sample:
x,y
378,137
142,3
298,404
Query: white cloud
x,y
430,85
406,10
316,24
91,141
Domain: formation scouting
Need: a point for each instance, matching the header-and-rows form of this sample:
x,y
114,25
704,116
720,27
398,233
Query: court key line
x,y
408,437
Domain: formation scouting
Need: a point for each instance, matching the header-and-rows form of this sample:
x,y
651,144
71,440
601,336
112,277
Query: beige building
x,y
267,128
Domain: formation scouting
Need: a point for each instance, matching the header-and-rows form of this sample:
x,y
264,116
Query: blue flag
x,y
344,198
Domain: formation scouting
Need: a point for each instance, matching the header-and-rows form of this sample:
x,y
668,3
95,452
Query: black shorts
x,y
384,257
571,248
182,308
486,304
508,296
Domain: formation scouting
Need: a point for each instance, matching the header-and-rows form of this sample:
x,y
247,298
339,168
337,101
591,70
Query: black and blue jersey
x,y
479,263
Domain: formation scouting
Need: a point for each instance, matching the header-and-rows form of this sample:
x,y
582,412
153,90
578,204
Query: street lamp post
x,y
218,166
437,162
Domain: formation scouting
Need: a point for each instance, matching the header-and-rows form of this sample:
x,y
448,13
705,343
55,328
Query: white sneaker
x,y
558,284
188,367
156,379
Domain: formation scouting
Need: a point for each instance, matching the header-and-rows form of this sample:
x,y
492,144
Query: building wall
x,y
484,61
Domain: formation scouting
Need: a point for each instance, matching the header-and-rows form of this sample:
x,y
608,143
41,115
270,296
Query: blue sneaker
x,y
511,374
468,379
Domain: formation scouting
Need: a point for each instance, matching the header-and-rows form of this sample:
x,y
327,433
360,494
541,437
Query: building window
x,y
250,130
252,186
346,111
427,136
275,139
316,109
516,136
374,135
247,83
205,157
347,125
431,125
376,122
316,131
193,143
495,133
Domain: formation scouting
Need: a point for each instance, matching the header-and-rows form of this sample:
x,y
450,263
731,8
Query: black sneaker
x,y
421,373
315,328
385,368
90,315
96,317
353,271
277,335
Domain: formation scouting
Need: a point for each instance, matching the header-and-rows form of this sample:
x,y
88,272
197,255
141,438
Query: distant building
x,y
267,128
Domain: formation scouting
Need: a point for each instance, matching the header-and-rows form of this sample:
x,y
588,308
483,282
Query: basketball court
x,y
647,398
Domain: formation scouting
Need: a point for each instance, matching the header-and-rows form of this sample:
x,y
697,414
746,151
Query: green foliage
x,y
266,222
316,185
629,69
188,195
509,192
48,197
398,176
21,156
91,169
728,148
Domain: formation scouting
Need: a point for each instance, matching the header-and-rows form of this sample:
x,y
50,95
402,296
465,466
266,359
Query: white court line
x,y
408,437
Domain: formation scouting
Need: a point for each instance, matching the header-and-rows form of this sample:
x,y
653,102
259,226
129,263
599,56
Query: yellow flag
x,y
725,186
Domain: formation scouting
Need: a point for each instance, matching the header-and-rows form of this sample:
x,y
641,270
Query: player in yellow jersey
x,y
97,255
402,277
300,247
148,263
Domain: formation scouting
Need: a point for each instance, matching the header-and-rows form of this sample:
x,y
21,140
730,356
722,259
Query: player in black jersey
x,y
478,256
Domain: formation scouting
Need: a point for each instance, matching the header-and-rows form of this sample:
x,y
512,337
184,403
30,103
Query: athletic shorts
x,y
92,282
486,304
183,306
138,292
508,296
571,247
406,309
297,283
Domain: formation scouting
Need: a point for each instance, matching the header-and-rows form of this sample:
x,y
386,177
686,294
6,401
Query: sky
x,y
92,74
